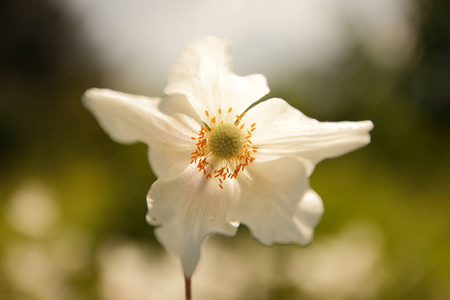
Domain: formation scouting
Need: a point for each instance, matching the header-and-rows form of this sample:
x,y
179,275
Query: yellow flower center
x,y
226,141
223,149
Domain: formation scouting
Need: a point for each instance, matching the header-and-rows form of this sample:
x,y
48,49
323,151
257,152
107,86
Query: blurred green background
x,y
73,205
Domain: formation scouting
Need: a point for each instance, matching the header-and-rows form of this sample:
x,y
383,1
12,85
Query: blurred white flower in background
x,y
253,277
39,270
32,210
296,36
29,269
348,265
43,255
134,271
45,271
131,271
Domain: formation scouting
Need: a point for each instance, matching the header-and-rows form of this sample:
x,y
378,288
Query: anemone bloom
x,y
220,163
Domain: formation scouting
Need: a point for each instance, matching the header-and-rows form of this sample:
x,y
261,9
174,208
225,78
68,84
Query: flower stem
x,y
187,285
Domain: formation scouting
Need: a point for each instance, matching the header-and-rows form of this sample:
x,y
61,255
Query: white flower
x,y
219,164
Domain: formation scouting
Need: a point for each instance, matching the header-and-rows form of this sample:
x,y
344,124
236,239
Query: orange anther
x,y
230,109
202,155
220,111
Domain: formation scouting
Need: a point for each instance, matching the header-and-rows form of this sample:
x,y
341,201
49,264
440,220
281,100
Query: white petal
x,y
310,209
276,202
166,125
282,130
125,117
188,209
203,74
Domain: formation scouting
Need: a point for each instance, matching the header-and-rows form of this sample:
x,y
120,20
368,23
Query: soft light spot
x,y
32,209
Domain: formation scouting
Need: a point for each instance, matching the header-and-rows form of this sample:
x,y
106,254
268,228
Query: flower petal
x,y
166,125
282,130
276,202
189,208
203,74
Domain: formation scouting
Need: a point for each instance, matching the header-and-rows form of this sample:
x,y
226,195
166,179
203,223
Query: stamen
x,y
227,144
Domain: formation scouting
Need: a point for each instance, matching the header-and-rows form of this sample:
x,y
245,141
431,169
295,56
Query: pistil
x,y
223,149
226,141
